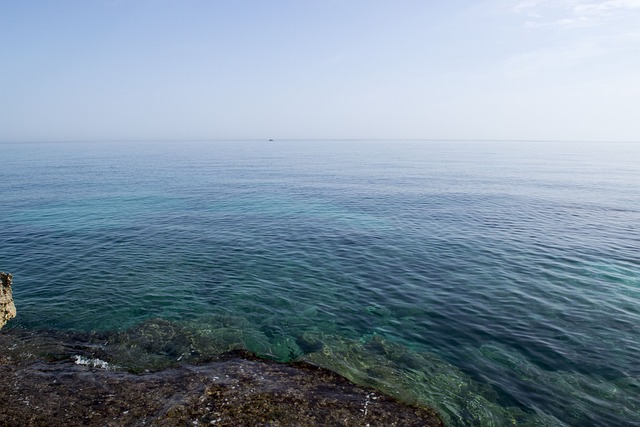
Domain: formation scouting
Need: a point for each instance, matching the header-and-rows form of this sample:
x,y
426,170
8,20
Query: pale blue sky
x,y
236,69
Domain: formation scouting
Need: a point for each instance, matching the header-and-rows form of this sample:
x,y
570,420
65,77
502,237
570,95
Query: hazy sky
x,y
218,69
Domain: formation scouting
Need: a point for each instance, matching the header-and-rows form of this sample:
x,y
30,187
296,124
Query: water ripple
x,y
499,288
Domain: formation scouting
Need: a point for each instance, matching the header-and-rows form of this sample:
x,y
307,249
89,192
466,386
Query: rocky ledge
x,y
234,389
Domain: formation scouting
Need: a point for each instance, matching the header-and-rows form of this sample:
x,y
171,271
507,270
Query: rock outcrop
x,y
56,378
7,308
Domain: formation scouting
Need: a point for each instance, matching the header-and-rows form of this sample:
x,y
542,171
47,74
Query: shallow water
x,y
496,281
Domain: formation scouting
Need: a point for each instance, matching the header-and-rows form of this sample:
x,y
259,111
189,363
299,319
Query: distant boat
x,y
270,140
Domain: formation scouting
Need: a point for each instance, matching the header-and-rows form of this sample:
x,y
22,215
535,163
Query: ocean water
x,y
498,282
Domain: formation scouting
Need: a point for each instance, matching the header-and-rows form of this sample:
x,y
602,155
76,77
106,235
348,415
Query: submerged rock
x,y
7,308
61,379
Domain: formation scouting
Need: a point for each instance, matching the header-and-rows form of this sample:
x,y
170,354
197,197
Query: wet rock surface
x,y
51,380
7,308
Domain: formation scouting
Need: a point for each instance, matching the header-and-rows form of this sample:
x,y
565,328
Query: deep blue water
x,y
496,281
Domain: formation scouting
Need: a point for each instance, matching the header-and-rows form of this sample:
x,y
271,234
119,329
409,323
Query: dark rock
x,y
233,389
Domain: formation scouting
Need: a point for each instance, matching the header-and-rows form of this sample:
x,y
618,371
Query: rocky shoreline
x,y
64,378
60,386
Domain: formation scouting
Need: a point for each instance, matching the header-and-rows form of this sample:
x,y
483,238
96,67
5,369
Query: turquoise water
x,y
496,281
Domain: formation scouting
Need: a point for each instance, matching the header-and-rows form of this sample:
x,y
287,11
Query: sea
x,y
495,281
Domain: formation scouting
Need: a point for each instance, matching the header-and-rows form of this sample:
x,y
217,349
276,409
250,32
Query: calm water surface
x,y
498,282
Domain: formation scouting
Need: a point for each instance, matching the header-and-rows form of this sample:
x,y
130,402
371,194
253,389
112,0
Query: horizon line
x,y
144,140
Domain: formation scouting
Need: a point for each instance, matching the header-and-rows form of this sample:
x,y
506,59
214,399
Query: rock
x,y
7,308
53,378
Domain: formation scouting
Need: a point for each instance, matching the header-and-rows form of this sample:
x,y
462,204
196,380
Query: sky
x,y
90,70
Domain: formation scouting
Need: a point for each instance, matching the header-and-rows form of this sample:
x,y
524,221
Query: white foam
x,y
94,363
